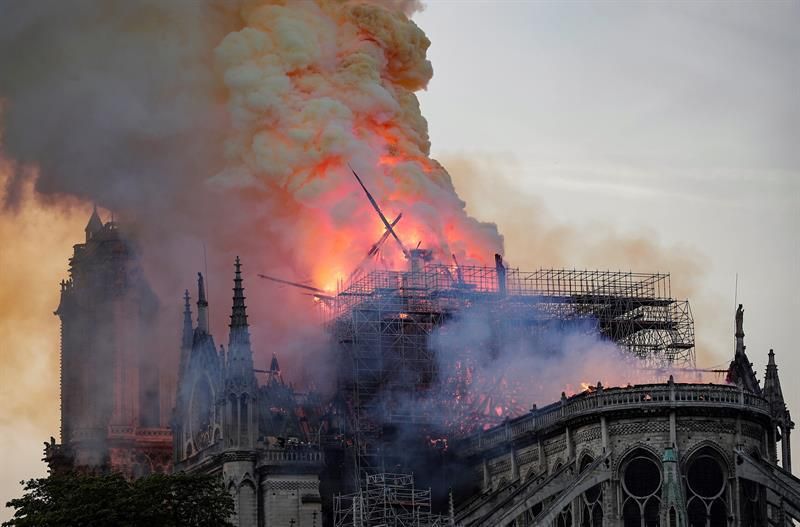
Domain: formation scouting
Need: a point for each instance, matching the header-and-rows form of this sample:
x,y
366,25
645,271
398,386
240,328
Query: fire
x,y
388,161
340,94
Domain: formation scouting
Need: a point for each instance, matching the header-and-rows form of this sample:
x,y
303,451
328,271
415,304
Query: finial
x,y
771,357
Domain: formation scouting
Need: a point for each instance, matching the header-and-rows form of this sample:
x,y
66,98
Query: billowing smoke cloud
x,y
227,128
535,239
497,368
492,364
315,87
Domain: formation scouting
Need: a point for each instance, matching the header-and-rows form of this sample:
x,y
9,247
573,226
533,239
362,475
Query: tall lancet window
x,y
244,419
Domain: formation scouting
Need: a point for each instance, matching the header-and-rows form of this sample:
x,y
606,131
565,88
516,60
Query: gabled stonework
x,y
225,423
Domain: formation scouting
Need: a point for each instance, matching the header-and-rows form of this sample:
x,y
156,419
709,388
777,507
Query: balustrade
x,y
649,395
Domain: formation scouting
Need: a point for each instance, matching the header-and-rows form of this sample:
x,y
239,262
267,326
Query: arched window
x,y
232,427
244,419
247,504
641,490
705,490
564,517
201,415
591,500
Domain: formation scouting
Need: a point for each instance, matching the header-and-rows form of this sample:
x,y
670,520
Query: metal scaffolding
x,y
382,321
386,500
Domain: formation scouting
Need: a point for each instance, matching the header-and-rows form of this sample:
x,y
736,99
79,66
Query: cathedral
x,y
666,454
259,438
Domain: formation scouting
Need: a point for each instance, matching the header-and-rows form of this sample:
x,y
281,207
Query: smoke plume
x,y
225,129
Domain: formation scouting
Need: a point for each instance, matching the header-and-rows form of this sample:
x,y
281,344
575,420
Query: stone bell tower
x,y
110,397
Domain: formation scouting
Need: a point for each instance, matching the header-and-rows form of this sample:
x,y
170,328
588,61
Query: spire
x,y
274,371
94,224
772,387
239,311
240,356
186,338
202,305
673,507
186,342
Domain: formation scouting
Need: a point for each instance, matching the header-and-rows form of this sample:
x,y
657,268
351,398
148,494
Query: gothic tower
x,y
241,410
109,376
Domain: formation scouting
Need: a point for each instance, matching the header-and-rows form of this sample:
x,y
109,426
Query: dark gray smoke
x,y
114,101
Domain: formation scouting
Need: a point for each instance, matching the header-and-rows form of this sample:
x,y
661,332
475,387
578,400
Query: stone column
x,y
673,431
772,444
604,433
542,457
514,466
610,518
786,448
568,441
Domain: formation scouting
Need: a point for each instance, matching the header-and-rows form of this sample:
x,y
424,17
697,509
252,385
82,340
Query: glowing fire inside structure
x,y
406,369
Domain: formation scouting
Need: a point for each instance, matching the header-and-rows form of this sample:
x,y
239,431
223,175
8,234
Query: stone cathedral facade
x,y
255,436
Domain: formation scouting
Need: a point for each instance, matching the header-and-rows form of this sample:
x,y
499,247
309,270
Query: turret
x,y
772,387
94,225
780,414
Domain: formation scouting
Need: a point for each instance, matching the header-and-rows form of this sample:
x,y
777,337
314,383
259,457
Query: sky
x,y
634,136
672,123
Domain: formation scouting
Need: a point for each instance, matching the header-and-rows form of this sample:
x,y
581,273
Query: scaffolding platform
x,y
387,500
381,324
